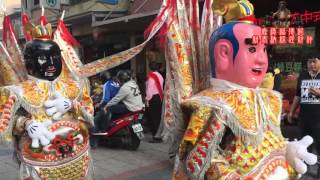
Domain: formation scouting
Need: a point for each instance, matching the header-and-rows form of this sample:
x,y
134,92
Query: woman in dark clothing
x,y
154,96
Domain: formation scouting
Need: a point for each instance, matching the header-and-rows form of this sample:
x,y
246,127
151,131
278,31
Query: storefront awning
x,y
134,22
98,7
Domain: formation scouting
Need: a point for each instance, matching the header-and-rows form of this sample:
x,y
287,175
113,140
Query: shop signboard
x,y
287,66
50,4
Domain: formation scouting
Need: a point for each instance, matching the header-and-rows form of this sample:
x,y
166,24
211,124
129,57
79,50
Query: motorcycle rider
x,y
110,89
128,99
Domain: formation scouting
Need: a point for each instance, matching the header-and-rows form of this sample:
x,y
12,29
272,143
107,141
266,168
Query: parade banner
x,y
74,64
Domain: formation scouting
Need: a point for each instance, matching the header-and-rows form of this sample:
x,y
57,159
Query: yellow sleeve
x,y
199,154
196,120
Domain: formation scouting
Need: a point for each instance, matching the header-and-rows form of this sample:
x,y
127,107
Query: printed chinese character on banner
x,y
282,40
282,32
306,17
300,40
294,17
282,36
273,39
316,16
273,31
264,31
264,40
300,31
291,40
291,31
297,67
309,39
289,67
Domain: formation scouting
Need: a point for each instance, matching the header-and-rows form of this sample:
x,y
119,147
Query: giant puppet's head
x,y
42,56
234,57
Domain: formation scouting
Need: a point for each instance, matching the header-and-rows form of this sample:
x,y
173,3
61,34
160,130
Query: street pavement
x,y
150,161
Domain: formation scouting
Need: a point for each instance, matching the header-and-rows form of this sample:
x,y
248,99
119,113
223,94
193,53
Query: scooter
x,y
126,132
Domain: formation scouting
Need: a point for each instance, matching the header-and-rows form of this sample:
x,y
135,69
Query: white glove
x,y
58,106
38,131
297,154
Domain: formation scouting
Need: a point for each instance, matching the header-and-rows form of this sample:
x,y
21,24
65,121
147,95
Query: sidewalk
x,y
150,161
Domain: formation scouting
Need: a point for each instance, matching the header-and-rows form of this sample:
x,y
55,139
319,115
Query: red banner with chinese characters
x,y
282,36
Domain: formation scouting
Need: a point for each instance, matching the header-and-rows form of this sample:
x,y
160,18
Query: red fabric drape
x,y
158,84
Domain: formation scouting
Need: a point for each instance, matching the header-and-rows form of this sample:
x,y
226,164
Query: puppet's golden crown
x,y
40,31
234,10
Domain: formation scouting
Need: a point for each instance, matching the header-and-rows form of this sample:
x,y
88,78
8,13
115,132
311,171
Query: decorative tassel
x,y
66,35
8,32
170,4
43,20
25,22
194,19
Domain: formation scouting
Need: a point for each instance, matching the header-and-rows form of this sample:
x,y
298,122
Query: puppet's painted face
x,y
251,61
43,59
249,65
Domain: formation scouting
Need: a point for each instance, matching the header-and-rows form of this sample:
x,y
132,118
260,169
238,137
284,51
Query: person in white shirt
x,y
127,100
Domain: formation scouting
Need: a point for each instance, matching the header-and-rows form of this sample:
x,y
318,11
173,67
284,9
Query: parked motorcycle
x,y
126,132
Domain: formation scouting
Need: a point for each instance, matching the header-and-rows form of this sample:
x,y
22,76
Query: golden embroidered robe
x,y
233,132
67,156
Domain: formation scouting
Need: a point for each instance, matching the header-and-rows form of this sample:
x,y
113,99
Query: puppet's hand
x,y
57,106
298,156
38,132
